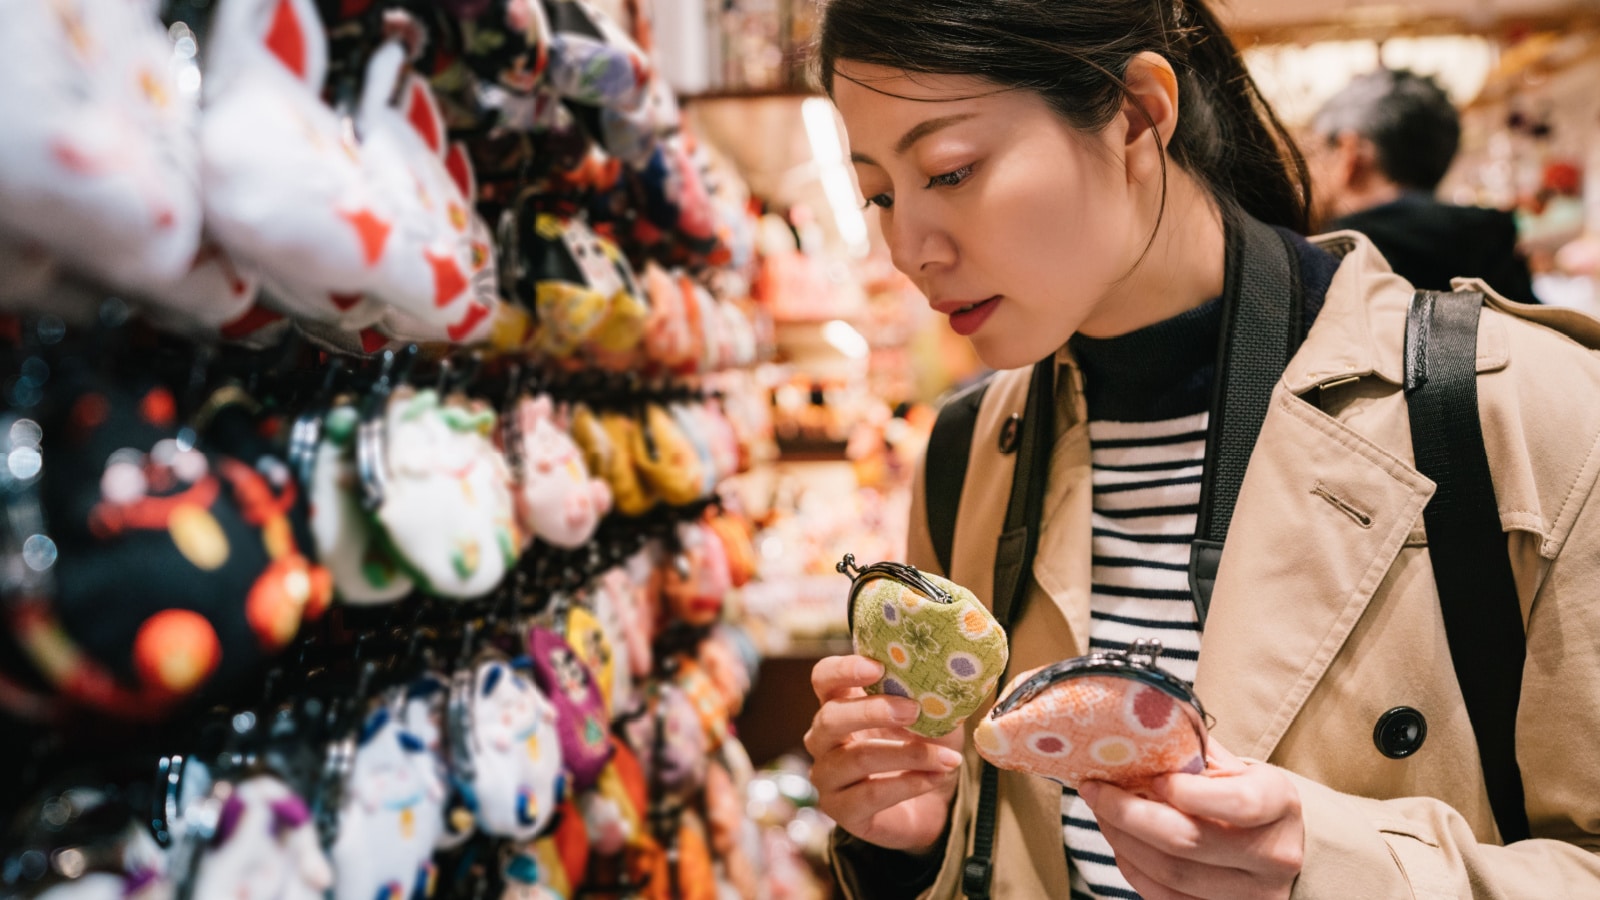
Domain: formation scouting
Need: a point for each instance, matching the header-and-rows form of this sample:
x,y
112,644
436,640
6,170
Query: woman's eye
x,y
881,201
950,179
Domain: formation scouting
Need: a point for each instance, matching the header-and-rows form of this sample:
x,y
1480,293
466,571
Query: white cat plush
x,y
391,818
365,571
265,846
516,779
557,499
447,504
427,273
284,188
97,155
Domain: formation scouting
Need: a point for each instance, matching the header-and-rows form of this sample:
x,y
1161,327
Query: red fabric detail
x,y
1153,708
423,117
72,159
286,38
254,319
448,279
349,9
159,408
474,317
372,341
345,301
460,169
372,231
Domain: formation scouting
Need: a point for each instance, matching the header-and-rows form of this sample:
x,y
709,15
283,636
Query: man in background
x,y
1377,152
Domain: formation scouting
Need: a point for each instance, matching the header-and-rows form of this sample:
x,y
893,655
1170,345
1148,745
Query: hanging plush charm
x,y
580,711
392,816
1115,717
264,846
365,570
557,500
444,493
505,751
938,644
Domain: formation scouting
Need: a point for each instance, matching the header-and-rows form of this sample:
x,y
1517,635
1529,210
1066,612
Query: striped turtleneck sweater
x,y
1148,395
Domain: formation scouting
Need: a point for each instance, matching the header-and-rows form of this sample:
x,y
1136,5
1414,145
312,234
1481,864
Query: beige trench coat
x,y
1325,614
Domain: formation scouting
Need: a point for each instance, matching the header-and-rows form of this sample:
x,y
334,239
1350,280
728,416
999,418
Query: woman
x,y
1068,180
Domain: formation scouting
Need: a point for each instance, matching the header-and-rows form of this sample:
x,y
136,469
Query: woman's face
x,y
1013,223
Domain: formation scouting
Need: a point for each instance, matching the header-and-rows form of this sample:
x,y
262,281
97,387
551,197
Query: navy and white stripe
x,y
1146,478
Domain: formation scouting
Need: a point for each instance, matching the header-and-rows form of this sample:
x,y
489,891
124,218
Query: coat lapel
x,y
1347,507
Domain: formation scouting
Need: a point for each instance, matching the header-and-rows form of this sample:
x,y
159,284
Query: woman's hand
x,y
1233,832
879,781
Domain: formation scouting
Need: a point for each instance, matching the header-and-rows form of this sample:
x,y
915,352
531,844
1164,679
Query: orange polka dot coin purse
x,y
938,644
1115,717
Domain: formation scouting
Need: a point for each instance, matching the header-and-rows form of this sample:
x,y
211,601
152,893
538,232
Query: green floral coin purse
x,y
938,644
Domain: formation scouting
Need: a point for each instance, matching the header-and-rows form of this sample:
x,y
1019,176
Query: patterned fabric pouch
x,y
938,644
1114,717
580,712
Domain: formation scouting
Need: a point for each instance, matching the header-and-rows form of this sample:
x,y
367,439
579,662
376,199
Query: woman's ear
x,y
1151,104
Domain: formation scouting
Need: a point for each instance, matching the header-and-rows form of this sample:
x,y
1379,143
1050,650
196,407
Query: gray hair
x,y
1408,117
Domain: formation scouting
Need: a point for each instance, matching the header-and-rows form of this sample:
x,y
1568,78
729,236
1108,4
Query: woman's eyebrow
x,y
916,133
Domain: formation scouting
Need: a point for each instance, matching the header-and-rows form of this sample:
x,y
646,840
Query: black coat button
x,y
1011,434
1399,732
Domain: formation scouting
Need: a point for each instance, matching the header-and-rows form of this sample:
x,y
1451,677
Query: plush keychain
x,y
264,846
696,583
357,553
427,269
505,750
556,270
557,500
446,503
938,644
634,496
592,60
392,814
670,744
608,598
98,162
210,542
694,428
738,545
725,818
477,313
593,645
710,703
580,711
285,188
667,340
563,854
424,713
665,458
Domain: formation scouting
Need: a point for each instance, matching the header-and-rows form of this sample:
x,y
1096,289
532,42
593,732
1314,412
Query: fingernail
x,y
905,712
869,669
948,758
1089,791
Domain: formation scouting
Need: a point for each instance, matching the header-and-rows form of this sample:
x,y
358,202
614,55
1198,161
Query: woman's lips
x,y
967,320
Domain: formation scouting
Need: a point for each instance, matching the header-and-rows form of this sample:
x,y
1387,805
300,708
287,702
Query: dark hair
x,y
1074,53
1408,118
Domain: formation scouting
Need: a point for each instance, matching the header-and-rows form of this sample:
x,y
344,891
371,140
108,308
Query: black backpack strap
x,y
944,468
1466,545
1263,310
1019,542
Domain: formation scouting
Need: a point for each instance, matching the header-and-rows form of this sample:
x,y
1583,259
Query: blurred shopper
x,y
1378,150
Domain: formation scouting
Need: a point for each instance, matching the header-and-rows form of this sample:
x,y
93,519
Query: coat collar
x,y
1366,302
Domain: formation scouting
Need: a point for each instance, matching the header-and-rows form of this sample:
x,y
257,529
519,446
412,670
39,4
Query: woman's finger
x,y
834,677
837,720
1177,874
867,759
854,807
